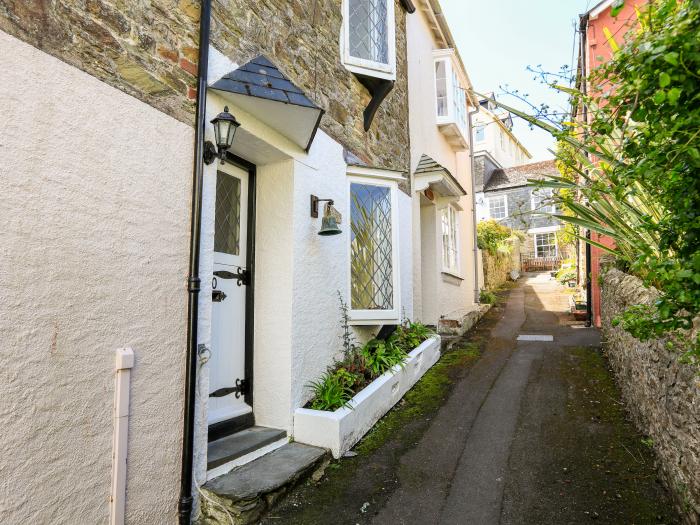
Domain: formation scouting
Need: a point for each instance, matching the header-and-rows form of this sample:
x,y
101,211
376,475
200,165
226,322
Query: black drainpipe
x,y
193,281
583,29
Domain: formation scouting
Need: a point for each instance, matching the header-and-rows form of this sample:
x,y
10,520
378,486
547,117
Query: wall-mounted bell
x,y
331,217
329,225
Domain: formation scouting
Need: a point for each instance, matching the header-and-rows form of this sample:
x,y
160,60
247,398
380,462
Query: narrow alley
x,y
524,425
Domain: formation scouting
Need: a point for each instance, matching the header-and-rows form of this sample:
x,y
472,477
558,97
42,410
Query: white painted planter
x,y
340,430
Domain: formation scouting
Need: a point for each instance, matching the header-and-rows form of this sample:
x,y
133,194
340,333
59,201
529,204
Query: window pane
x,y
497,207
371,248
546,244
449,238
441,87
368,30
227,218
480,133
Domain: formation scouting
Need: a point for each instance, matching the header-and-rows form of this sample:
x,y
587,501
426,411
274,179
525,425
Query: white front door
x,y
227,364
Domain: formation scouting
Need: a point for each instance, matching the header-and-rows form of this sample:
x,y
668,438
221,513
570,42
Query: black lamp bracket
x,y
314,205
210,152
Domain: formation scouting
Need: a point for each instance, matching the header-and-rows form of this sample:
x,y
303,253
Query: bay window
x,y
374,282
369,37
451,98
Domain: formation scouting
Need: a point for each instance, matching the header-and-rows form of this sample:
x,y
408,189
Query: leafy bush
x,y
492,236
344,379
487,297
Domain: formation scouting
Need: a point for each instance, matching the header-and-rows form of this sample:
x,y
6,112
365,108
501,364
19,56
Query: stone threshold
x,y
244,494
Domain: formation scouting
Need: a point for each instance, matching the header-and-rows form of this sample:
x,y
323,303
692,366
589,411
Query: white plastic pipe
x,y
124,364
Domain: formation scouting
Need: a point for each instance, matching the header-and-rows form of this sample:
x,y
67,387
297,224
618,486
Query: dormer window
x,y
451,99
369,38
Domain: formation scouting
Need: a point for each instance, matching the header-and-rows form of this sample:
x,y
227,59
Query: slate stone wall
x,y
148,48
519,206
662,394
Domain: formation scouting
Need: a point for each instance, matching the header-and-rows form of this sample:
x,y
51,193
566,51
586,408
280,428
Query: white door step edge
x,y
536,337
255,454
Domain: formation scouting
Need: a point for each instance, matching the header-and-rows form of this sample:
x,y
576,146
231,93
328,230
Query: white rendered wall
x,y
435,293
95,222
510,153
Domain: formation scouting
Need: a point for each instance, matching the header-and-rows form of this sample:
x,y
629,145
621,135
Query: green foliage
x,y
493,236
487,297
632,175
360,366
348,338
331,392
381,356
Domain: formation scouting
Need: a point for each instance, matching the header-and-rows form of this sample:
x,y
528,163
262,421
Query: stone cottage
x,y
185,184
506,195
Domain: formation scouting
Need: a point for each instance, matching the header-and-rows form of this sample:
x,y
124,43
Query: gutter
x,y
477,292
193,281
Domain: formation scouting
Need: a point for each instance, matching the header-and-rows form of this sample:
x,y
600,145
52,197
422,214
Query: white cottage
x,y
445,269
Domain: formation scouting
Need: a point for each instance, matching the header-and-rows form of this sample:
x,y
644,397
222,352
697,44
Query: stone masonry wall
x,y
662,395
149,49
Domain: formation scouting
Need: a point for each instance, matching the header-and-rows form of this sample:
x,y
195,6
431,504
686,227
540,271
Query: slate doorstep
x,y
246,492
341,429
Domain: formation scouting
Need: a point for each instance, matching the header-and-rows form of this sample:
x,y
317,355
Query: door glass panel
x,y
227,224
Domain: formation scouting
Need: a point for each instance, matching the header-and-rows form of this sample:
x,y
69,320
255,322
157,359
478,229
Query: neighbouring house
x,y
605,23
155,305
445,278
495,144
508,197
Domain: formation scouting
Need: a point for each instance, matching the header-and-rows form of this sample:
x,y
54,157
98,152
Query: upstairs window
x,y
441,87
369,37
480,133
498,207
542,200
450,259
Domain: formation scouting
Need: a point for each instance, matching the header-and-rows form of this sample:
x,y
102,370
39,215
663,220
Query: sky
x,y
499,39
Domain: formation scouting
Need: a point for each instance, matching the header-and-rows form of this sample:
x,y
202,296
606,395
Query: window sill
x,y
387,73
451,275
373,322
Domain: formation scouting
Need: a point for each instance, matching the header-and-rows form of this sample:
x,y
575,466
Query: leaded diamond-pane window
x,y
372,278
368,30
227,221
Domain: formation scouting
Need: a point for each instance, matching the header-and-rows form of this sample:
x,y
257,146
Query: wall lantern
x,y
329,222
225,126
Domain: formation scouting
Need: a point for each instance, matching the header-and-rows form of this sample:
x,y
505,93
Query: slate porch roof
x,y
519,175
427,164
261,78
261,89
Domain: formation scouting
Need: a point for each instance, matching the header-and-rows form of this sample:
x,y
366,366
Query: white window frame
x,y
452,238
453,88
389,179
505,204
370,67
556,245
551,208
